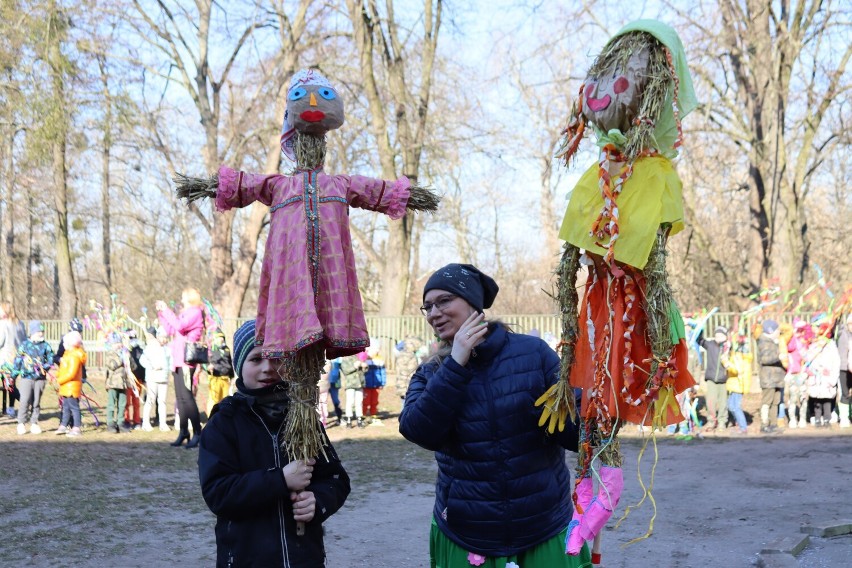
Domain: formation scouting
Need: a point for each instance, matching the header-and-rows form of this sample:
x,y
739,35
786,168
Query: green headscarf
x,y
665,131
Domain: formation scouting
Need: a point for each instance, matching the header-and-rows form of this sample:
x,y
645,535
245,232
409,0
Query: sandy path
x,y
131,500
719,501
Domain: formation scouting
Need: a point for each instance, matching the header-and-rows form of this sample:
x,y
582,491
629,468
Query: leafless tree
x,y
169,29
396,68
58,122
772,75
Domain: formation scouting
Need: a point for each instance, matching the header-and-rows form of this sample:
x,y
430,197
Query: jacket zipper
x,y
277,455
494,434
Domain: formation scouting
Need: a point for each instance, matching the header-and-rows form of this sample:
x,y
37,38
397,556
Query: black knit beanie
x,y
465,281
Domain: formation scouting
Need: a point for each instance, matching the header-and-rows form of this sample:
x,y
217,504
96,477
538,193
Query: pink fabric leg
x,y
584,499
602,507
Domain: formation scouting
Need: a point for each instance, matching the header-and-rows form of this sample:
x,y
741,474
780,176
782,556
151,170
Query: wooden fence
x,y
388,331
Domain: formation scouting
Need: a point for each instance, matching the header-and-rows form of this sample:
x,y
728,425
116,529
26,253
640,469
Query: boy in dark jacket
x,y
772,374
246,480
220,370
132,407
716,377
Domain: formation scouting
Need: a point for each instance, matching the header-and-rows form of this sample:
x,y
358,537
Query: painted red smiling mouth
x,y
598,105
312,115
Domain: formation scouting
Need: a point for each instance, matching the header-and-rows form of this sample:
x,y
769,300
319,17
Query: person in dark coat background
x,y
73,325
772,373
503,492
258,497
716,365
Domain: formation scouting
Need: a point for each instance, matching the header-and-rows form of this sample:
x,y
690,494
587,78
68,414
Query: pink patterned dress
x,y
308,284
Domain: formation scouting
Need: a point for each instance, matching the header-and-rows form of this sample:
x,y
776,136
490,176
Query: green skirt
x,y
444,553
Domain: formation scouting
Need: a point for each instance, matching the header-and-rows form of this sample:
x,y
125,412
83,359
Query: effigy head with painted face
x,y
313,107
627,88
313,104
635,93
617,83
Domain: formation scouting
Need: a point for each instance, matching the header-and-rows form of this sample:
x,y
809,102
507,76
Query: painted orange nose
x,y
313,100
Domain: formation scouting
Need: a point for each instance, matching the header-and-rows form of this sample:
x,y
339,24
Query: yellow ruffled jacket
x,y
650,197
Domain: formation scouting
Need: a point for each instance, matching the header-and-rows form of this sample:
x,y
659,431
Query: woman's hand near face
x,y
160,305
470,334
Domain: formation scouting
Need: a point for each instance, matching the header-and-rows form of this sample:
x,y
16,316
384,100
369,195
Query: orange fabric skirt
x,y
613,345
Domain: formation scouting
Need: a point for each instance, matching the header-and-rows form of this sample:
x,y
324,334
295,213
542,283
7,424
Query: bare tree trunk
x,y
106,237
762,41
231,275
65,272
549,220
416,236
7,234
410,110
30,251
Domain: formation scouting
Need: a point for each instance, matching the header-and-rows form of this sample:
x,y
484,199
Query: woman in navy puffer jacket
x,y
504,491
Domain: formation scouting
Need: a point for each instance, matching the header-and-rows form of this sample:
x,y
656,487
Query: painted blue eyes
x,y
300,93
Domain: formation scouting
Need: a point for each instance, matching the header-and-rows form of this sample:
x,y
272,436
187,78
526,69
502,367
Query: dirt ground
x,y
131,500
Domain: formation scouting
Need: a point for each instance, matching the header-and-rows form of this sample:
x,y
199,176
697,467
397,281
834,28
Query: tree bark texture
x,y
377,37
7,233
763,42
231,272
64,267
106,236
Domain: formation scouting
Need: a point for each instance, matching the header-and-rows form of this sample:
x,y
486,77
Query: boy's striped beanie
x,y
243,344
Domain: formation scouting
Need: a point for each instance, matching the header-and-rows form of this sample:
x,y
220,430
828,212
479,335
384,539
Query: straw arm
x,y
195,188
422,199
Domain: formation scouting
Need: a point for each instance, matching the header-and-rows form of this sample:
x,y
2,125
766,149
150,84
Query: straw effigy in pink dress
x,y
308,284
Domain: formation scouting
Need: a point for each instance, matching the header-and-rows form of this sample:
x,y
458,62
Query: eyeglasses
x,y
440,304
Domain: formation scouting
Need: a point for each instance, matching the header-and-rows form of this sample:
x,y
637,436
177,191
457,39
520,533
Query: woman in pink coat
x,y
186,326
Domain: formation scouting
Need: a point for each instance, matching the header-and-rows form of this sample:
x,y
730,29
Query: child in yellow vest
x,y
220,370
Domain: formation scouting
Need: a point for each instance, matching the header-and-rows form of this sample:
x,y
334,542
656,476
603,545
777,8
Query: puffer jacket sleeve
x,y
68,368
47,356
435,396
329,484
225,489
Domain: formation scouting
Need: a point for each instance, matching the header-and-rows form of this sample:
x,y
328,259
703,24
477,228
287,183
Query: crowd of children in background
x,y
361,377
136,380
131,371
803,372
